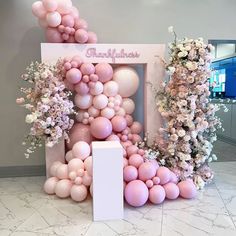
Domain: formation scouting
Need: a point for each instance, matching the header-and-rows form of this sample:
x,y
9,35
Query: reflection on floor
x,y
26,211
224,151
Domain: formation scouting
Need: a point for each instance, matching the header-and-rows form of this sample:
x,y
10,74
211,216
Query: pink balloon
x,y
130,173
53,19
77,59
136,138
50,5
172,190
38,9
50,184
64,6
136,128
157,194
187,189
129,120
78,180
81,36
132,149
53,36
74,12
164,174
81,24
75,164
81,150
136,193
91,189
83,102
104,72
149,183
62,171
72,175
63,188
68,20
53,168
88,164
135,160
100,101
128,104
154,163
111,88
69,156
78,193
87,179
108,112
98,88
118,123
92,37
146,171
173,178
93,77
87,68
65,36
81,88
125,162
73,76
93,111
101,128
156,180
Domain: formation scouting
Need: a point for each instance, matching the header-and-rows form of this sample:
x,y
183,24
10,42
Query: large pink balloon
x,y
104,72
130,173
81,24
81,36
146,171
87,68
63,188
100,101
73,76
53,36
83,101
136,160
50,184
187,189
119,123
68,20
101,128
81,150
78,193
62,171
50,5
53,19
111,88
79,132
157,194
74,12
136,193
81,88
38,9
64,6
172,191
164,174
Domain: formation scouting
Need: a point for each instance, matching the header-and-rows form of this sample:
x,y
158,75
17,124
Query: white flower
x,y
30,118
171,69
171,29
45,100
182,54
191,65
181,133
187,48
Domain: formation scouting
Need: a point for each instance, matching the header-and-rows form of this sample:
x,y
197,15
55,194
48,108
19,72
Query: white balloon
x,y
127,79
98,88
83,102
108,112
53,19
128,105
111,88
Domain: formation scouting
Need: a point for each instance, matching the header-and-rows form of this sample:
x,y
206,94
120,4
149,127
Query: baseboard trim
x,y
22,171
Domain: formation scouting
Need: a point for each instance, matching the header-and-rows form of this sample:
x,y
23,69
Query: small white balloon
x,y
108,112
93,112
128,105
121,112
100,101
111,88
97,89
83,101
53,19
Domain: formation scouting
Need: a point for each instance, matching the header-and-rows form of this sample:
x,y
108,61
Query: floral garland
x,y
185,142
49,103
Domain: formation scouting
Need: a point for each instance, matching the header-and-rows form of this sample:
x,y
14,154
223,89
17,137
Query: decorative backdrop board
x,y
148,55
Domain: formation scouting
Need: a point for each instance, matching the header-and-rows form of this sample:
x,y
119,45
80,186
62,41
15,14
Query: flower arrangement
x,y
185,141
49,103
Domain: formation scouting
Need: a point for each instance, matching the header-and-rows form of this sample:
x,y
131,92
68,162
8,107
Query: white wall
x,y
115,21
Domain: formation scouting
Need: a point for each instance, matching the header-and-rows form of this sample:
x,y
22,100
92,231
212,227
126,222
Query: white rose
x,y
181,133
171,69
30,118
45,100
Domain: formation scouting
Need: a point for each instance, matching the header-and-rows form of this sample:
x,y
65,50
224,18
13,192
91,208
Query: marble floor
x,y
26,211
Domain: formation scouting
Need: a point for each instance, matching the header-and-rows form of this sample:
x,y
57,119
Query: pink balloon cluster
x,y
62,23
145,180
72,179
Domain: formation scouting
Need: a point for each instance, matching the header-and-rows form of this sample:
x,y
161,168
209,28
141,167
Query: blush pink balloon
x,y
118,123
93,77
172,190
104,72
62,171
93,111
130,173
72,175
157,194
74,12
50,184
156,180
53,19
136,138
87,179
78,193
125,162
69,156
88,164
113,137
164,174
77,59
136,193
81,36
91,189
111,88
154,163
73,75
75,165
149,183
97,89
81,24
81,150
187,189
38,9
173,178
92,37
129,120
83,101
63,188
132,149
78,180
100,101
64,6
50,5
128,104
68,20
101,128
87,68
135,160
108,112
53,168
53,36
146,171
81,88
136,128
